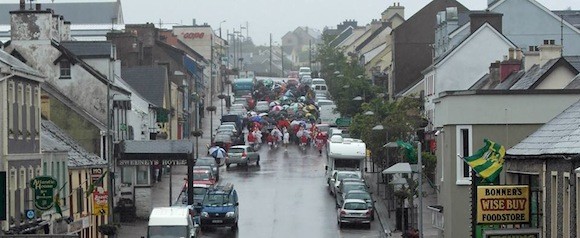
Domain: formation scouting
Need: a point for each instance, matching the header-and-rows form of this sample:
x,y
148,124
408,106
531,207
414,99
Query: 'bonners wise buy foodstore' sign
x,y
503,204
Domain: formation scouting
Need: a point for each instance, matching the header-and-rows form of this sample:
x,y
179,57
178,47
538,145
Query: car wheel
x,y
258,161
368,226
227,165
235,226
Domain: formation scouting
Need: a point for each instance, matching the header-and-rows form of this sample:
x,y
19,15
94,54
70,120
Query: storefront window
x,y
128,175
142,175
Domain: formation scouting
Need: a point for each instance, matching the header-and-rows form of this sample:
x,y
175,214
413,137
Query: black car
x,y
363,195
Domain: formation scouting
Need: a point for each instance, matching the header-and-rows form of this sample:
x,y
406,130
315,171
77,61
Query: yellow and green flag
x,y
487,161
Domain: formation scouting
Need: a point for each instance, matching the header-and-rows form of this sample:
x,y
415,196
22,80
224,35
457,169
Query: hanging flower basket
x,y
211,108
197,133
108,229
221,96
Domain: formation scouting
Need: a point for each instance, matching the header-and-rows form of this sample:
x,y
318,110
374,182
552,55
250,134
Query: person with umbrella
x,y
217,153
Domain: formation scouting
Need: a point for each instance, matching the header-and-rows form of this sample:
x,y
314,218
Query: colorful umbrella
x,y
217,152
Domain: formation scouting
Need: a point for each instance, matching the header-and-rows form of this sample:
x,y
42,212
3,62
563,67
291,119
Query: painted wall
x,y
558,79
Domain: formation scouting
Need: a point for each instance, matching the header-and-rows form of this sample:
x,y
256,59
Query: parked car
x,y
304,71
242,154
209,161
199,191
363,195
223,140
219,207
262,106
354,211
345,187
339,175
318,81
323,102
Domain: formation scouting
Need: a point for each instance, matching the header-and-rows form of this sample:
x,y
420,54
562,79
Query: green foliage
x,y
430,162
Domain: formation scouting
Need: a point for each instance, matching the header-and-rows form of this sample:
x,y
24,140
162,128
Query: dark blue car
x,y
220,207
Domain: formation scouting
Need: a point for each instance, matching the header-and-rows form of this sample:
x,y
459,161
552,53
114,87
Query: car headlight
x,y
230,214
204,214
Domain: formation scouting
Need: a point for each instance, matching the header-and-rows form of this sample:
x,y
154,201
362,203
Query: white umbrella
x,y
263,114
217,152
398,168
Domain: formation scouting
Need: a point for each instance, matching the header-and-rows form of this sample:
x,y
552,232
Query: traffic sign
x,y
30,214
43,192
343,121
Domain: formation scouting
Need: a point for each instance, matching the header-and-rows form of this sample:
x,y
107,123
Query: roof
x,y
536,74
16,64
156,149
164,216
372,37
482,83
575,83
574,61
511,80
314,33
101,12
559,136
91,49
341,37
55,139
571,16
149,81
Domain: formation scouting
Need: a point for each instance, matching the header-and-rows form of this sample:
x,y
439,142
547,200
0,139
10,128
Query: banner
x,y
100,203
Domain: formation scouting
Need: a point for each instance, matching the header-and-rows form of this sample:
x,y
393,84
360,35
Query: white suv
x,y
304,71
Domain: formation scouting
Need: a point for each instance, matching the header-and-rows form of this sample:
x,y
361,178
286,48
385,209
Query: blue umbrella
x,y
217,152
256,118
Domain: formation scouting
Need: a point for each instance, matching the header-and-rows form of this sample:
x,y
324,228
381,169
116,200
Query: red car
x,y
202,175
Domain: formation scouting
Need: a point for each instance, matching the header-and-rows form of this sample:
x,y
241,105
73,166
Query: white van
x,y
171,222
320,89
318,81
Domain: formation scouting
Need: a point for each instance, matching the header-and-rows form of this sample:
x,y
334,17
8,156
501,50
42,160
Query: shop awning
x,y
398,168
156,149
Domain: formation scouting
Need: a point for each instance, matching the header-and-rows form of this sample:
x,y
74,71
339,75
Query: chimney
x,y
55,29
65,32
510,65
494,72
549,52
392,10
23,28
22,5
530,59
477,19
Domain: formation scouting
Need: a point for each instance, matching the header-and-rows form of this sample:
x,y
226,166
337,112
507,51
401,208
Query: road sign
x,y
43,192
343,121
100,203
30,214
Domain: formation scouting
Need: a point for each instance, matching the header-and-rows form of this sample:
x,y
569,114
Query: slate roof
x,y
149,81
371,37
510,80
481,83
341,37
571,16
75,12
16,64
92,49
574,61
533,75
575,84
56,140
560,135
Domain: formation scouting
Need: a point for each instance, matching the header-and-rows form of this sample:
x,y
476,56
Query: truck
x,y
344,154
173,221
243,86
219,207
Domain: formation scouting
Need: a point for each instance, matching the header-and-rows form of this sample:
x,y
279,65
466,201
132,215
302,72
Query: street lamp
x,y
221,27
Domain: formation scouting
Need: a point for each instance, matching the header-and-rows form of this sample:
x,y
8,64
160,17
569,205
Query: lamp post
x,y
221,27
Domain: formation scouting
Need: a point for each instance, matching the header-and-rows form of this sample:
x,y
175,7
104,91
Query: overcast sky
x,y
276,16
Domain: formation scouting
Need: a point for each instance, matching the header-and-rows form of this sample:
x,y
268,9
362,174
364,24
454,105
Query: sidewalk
x,y
388,221
160,190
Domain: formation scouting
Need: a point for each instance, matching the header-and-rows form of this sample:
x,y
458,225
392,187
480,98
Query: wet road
x,y
286,196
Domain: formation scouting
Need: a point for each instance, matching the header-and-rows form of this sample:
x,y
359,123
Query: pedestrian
x,y
286,139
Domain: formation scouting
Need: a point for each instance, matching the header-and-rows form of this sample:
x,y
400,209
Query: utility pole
x,y
310,54
109,159
211,89
282,51
270,55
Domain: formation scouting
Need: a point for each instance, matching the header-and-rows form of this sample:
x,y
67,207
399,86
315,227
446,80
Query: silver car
x,y
242,155
354,211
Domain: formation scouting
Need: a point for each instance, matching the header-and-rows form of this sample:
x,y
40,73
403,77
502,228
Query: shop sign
x,y
150,162
192,35
43,192
512,233
503,204
100,203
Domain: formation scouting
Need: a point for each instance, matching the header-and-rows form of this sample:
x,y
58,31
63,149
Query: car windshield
x,y
236,150
217,200
362,196
199,191
355,206
207,162
342,176
167,231
354,186
201,176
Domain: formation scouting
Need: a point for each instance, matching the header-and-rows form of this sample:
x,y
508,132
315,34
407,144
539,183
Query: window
x,y
79,196
549,42
36,108
430,85
554,204
142,175
22,180
45,169
20,104
65,69
13,179
566,205
533,48
11,99
38,170
464,148
27,106
128,174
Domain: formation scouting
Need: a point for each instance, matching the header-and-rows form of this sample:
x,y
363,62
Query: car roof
x,y
358,191
353,183
353,200
239,146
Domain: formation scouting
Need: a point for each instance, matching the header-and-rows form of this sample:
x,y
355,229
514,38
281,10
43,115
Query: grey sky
x,y
276,16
